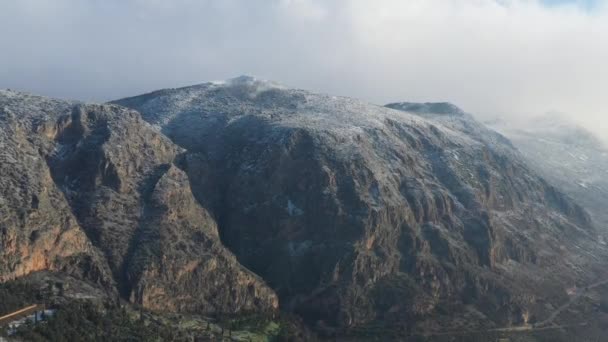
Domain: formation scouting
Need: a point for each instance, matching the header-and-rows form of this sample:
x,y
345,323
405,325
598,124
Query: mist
x,y
508,59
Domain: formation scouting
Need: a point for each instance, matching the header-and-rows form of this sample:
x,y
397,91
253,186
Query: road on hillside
x,y
546,324
574,298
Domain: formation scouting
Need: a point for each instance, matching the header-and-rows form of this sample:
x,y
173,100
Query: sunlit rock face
x,y
38,230
92,191
354,212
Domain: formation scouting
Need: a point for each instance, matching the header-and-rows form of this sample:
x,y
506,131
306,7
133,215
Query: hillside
x,y
243,197
93,191
357,214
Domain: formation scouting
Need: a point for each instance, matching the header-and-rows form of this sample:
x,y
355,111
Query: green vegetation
x,y
16,295
266,327
83,321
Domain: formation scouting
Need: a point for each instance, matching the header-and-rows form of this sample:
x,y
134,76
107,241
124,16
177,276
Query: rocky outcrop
x,y
105,160
179,263
38,231
356,213
85,188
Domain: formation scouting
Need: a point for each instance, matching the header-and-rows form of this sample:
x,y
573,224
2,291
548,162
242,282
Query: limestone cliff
x,y
84,190
179,263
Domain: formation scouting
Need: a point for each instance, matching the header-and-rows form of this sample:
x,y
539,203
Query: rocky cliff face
x,y
38,230
228,197
179,263
356,213
92,189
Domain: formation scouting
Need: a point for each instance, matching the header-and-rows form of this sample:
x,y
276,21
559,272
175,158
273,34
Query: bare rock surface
x,y
244,195
179,263
84,189
356,213
38,230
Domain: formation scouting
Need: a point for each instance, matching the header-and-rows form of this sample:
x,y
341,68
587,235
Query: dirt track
x,y
546,324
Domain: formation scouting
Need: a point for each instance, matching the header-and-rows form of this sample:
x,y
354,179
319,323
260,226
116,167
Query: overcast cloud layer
x,y
509,58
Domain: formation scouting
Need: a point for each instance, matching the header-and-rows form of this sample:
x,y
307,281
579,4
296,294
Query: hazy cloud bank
x,y
491,57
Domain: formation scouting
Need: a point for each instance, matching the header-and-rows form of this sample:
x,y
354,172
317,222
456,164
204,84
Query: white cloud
x,y
493,58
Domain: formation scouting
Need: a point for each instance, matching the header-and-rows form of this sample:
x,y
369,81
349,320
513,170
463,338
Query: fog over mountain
x,y
494,58
567,155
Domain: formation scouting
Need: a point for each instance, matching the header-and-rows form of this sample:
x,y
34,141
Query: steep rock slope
x,y
108,170
568,156
354,212
38,230
182,265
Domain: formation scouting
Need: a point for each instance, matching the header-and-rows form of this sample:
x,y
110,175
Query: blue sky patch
x,y
586,4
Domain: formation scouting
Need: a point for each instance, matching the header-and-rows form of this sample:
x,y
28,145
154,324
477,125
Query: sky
x,y
507,59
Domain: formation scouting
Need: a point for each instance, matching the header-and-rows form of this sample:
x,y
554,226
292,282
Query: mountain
x,y
568,156
39,230
245,196
93,191
415,217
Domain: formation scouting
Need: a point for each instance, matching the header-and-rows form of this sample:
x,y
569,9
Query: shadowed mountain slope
x,y
355,213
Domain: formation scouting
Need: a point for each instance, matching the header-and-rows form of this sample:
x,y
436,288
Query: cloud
x,y
493,58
